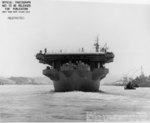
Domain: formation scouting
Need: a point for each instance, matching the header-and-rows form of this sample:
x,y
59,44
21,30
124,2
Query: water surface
x,y
31,103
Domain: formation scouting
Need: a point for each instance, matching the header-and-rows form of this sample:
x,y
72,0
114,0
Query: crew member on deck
x,y
45,50
82,49
40,51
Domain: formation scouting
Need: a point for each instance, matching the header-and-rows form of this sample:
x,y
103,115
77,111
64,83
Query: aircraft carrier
x,y
80,71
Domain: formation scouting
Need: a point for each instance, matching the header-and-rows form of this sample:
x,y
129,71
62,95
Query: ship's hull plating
x,y
73,80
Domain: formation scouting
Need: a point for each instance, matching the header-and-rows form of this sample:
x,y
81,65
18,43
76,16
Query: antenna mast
x,y
97,44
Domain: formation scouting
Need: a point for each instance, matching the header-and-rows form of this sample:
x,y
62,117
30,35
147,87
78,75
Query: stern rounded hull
x,y
75,80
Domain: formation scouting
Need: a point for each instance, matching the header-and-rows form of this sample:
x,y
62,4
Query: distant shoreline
x,y
25,81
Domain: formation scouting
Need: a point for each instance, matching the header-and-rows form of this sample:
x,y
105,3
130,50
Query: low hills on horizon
x,y
142,81
15,80
25,81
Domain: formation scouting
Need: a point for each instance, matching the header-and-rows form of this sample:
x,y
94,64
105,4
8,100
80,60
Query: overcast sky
x,y
71,25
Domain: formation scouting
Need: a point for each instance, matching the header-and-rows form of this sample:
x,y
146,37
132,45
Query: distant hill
x,y
141,81
4,81
25,80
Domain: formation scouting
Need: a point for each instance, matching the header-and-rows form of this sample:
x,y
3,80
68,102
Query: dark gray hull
x,y
76,80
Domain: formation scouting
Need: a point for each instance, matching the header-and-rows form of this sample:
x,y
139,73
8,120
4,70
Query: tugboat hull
x,y
76,80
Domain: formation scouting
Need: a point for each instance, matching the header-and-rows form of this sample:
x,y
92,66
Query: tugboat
x,y
76,71
129,85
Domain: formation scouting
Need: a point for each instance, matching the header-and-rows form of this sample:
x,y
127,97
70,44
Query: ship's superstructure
x,y
76,71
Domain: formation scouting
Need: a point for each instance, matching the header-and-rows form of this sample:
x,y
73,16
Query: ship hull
x,y
76,80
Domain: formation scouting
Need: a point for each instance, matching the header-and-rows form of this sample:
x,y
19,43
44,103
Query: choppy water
x,y
39,103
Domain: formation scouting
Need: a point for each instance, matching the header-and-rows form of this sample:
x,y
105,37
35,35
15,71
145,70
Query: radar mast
x,y
97,44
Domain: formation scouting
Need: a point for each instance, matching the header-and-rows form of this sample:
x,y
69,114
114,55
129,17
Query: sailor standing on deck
x,y
45,50
82,49
40,51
